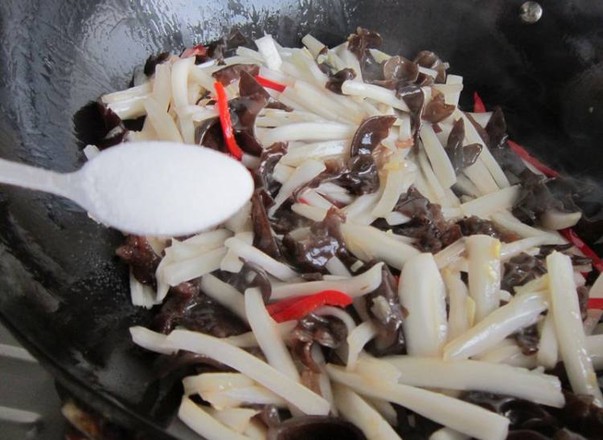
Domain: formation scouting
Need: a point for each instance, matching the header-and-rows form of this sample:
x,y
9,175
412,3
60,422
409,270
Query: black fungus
x,y
209,134
263,235
496,129
412,426
323,242
577,260
271,416
430,60
385,311
578,419
475,225
461,156
187,306
527,339
359,44
186,363
370,133
325,331
363,40
581,415
437,110
231,73
152,61
427,225
140,256
220,48
315,428
337,79
96,124
268,160
360,175
520,270
414,98
244,110
399,69
286,220
251,275
539,194
495,137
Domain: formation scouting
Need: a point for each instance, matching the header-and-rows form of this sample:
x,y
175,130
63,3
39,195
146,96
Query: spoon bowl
x,y
148,188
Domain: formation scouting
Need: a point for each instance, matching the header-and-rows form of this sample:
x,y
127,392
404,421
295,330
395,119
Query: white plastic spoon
x,y
147,188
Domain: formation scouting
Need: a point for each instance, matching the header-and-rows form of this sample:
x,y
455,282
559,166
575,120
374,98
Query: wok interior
x,y
64,293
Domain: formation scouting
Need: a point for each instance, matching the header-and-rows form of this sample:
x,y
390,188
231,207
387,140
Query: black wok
x,y
62,291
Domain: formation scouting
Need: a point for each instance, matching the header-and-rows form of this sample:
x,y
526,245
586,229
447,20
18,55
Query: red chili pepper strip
x,y
225,122
595,303
571,236
478,104
268,83
522,152
298,307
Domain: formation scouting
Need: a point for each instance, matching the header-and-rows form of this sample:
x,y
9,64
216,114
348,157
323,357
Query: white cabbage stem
x,y
142,295
267,334
461,311
355,286
307,171
200,421
450,254
162,84
317,150
554,219
594,345
568,327
309,131
492,202
479,175
356,410
464,417
438,157
509,353
268,49
377,93
548,350
523,310
483,254
507,221
470,375
230,390
422,293
472,136
162,122
253,254
510,250
368,242
180,71
447,434
249,340
356,341
237,419
297,395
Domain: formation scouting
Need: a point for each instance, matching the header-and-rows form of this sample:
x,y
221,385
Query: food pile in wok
x,y
403,269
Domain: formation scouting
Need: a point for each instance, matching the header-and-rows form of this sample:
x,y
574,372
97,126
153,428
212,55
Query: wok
x,y
65,295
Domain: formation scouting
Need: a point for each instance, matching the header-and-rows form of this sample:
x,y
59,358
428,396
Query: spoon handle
x,y
27,176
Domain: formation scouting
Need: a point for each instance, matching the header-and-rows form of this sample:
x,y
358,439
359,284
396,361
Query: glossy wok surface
x,y
61,289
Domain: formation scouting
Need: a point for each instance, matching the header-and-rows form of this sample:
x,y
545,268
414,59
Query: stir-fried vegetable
x,y
403,270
